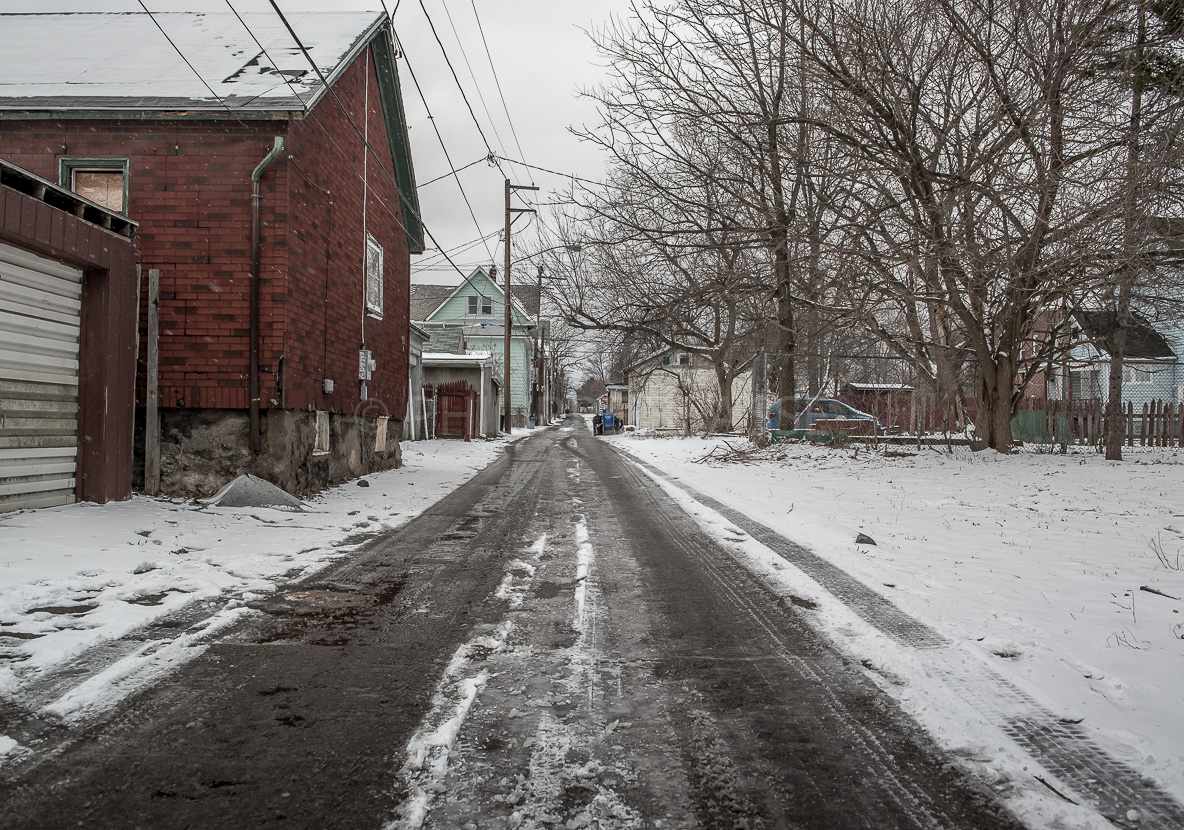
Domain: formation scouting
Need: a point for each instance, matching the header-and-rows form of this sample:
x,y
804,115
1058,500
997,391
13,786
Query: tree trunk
x,y
786,382
992,422
723,380
1115,422
1129,272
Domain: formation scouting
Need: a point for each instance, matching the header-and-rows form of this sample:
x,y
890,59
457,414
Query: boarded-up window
x,y
321,442
380,433
373,277
104,187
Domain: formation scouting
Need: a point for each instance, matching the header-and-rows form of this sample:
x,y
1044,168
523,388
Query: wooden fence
x,y
1158,423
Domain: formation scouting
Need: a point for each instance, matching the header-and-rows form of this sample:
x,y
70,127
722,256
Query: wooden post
x,y
152,396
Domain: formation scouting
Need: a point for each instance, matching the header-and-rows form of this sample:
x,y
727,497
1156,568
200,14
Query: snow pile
x,y
1056,576
251,491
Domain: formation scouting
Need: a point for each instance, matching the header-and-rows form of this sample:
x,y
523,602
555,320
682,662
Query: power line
x,y
451,172
182,54
497,82
477,86
552,172
440,138
452,69
390,176
464,246
263,49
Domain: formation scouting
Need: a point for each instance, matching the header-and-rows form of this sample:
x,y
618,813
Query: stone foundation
x,y
203,449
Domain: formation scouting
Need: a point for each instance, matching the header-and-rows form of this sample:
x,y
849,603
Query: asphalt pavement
x,y
554,644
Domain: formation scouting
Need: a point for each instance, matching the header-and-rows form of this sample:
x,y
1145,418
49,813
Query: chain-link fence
x,y
886,397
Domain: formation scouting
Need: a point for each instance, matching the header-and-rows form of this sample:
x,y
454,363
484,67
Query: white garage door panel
x,y
40,313
37,326
17,299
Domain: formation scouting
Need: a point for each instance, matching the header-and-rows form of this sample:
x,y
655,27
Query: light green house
x,y
470,317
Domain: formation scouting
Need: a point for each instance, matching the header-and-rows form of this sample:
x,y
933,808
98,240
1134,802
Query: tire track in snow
x,y
1114,789
426,767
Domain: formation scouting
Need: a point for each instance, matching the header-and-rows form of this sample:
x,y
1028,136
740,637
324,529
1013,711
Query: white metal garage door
x,y
40,316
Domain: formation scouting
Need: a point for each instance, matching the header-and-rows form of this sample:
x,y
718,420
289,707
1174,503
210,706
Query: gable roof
x,y
123,60
1143,342
481,277
427,298
129,64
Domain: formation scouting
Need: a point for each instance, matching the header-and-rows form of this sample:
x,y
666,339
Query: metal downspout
x,y
256,199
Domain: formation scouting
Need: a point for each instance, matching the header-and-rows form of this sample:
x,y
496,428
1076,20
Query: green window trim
x,y
67,165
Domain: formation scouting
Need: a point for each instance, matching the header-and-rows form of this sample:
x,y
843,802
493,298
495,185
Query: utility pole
x,y
544,391
510,211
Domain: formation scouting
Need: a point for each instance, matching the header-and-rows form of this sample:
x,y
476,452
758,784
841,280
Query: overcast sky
x,y
542,55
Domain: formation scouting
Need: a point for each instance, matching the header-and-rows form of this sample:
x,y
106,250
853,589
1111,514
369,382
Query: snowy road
x,y
556,644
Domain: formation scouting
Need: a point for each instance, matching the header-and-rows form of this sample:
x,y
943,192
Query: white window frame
x,y
473,303
486,304
374,277
1131,373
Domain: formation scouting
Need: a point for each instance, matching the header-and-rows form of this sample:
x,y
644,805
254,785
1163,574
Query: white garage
x,y
40,314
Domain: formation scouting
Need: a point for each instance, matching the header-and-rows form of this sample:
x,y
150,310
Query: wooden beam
x,y
152,397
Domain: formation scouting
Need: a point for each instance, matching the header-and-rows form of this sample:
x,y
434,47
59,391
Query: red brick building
x,y
177,133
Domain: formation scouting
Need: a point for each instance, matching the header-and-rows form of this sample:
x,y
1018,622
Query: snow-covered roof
x,y
123,60
443,358
880,387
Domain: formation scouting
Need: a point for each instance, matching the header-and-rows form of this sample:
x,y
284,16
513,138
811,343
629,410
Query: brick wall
x,y
327,250
190,190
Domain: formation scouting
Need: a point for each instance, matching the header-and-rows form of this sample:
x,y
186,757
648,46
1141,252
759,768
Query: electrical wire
x,y
263,49
497,82
440,138
477,86
378,160
452,172
455,77
430,260
552,172
177,49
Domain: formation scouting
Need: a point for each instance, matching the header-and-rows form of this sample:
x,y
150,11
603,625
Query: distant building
x,y
1153,368
102,103
470,317
674,390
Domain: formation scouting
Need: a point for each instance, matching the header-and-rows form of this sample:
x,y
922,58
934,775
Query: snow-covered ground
x,y
1049,570
76,577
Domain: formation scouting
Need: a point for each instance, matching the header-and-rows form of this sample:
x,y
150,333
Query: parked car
x,y
823,409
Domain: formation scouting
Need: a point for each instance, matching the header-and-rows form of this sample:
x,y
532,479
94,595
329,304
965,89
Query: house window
x,y
321,440
1086,384
373,277
1134,374
487,305
102,180
683,359
472,303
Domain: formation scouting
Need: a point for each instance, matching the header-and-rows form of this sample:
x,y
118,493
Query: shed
x,y
477,370
892,403
67,345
